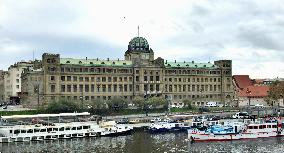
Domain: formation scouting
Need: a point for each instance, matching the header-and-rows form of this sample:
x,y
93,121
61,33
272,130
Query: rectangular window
x,y
81,79
92,88
68,78
109,79
68,88
62,88
120,88
98,79
62,78
104,88
52,78
157,78
157,87
145,78
87,79
114,79
103,79
52,88
81,88
125,88
125,79
109,88
74,78
130,87
87,88
74,88
115,88
137,78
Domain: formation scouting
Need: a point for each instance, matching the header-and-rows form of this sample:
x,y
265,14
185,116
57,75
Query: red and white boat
x,y
249,131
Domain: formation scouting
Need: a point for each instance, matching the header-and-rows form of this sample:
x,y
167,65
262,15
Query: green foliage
x,y
156,101
62,106
24,112
187,103
98,104
117,103
138,101
276,91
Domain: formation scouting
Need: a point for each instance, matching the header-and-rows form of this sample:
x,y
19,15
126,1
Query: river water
x,y
143,142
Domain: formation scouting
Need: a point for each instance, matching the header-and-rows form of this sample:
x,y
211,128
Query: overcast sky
x,y
249,32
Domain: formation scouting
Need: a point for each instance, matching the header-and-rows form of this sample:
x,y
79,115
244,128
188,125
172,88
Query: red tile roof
x,y
242,81
254,91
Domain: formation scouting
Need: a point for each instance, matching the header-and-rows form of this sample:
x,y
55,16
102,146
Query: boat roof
x,y
45,115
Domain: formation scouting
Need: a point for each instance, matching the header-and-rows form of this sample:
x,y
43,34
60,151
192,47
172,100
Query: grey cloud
x,y
261,38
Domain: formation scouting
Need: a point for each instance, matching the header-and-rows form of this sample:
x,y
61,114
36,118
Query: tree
x,y
98,104
62,106
187,103
276,92
138,101
156,101
117,103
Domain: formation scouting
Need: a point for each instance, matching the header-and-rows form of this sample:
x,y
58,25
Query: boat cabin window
x,y
23,131
262,126
61,129
68,128
73,128
250,127
42,130
55,129
49,129
36,130
79,128
269,126
11,131
86,127
30,131
16,131
255,127
274,126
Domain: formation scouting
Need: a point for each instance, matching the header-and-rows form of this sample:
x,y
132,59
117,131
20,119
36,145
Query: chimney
x,y
86,58
97,59
107,59
175,61
192,62
183,61
166,61
118,59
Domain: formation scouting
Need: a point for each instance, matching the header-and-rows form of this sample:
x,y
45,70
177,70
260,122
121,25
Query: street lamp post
x,y
81,98
37,90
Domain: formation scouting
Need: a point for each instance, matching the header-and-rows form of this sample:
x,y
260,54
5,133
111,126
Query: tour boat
x,y
39,130
235,132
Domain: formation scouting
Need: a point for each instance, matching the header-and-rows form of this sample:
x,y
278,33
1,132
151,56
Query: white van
x,y
241,115
211,104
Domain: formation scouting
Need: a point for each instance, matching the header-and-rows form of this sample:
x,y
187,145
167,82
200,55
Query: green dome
x,y
138,44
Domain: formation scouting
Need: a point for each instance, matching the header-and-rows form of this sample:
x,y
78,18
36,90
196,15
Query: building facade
x,y
2,89
139,74
12,80
249,92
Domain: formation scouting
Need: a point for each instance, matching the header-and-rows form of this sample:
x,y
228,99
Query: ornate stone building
x,y
139,74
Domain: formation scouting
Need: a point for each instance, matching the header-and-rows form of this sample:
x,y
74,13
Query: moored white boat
x,y
51,131
250,131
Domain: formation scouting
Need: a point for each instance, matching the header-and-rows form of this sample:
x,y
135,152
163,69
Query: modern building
x,y
12,80
139,74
